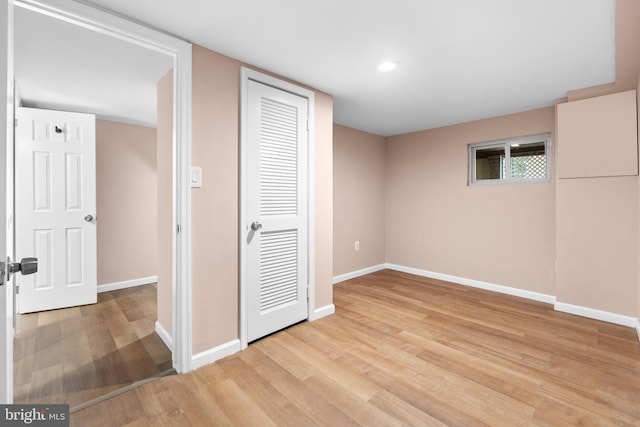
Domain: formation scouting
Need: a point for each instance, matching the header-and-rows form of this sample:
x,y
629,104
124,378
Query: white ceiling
x,y
460,60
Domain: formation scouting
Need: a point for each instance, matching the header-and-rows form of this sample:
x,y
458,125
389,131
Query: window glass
x,y
489,163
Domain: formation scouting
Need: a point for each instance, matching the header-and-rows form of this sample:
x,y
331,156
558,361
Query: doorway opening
x,y
174,330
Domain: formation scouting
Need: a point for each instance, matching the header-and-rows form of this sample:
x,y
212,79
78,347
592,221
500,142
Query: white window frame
x,y
506,144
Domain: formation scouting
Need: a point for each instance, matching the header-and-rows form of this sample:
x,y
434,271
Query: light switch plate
x,y
196,177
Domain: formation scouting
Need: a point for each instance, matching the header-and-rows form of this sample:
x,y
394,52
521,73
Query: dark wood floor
x,y
404,350
73,355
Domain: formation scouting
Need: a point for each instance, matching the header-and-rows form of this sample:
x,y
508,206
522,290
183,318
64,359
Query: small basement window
x,y
522,159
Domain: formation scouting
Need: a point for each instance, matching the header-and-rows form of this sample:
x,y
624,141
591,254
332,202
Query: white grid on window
x,y
534,166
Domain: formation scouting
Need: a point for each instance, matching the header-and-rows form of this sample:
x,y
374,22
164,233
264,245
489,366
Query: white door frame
x,y
247,74
180,51
6,192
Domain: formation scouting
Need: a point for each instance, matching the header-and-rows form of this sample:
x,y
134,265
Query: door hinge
x,y
178,229
15,121
17,289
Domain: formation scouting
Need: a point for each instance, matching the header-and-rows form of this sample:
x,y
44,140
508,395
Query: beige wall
x,y
597,218
323,200
597,243
165,203
215,110
126,185
215,286
582,127
597,207
359,199
502,234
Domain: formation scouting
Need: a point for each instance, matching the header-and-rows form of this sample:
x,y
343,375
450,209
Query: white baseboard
x,y
638,329
164,336
535,296
592,313
206,357
321,312
127,284
347,276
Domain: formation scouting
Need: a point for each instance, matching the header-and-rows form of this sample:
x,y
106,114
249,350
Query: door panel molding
x,y
248,75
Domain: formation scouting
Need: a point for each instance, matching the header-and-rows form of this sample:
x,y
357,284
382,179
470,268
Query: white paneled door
x,y
276,209
56,208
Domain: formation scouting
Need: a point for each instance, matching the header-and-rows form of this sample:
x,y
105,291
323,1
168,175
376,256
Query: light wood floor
x,y
73,355
403,350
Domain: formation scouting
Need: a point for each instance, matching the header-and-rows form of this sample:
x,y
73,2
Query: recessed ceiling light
x,y
388,65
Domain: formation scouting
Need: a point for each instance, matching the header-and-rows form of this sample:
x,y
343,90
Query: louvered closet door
x,y
277,206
